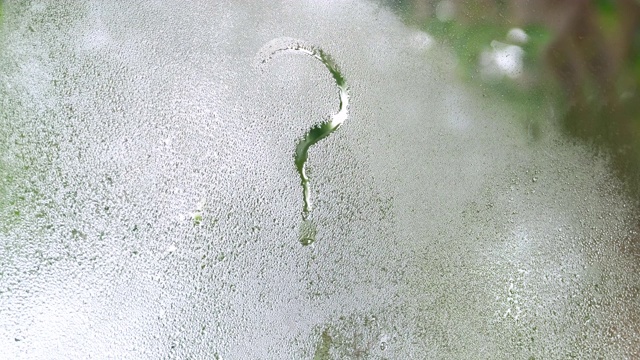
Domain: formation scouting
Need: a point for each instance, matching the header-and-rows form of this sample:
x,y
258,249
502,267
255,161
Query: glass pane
x,y
319,180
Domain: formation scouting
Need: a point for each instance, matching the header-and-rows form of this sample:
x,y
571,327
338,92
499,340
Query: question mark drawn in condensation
x,y
318,131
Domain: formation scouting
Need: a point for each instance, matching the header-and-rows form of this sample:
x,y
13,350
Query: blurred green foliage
x,y
468,41
581,57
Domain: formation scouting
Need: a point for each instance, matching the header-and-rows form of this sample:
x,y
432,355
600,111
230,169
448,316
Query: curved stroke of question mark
x,y
318,131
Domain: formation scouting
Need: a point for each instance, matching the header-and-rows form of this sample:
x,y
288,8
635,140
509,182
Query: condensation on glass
x,y
150,203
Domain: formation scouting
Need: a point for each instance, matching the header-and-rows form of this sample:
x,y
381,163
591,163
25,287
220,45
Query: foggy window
x,y
308,180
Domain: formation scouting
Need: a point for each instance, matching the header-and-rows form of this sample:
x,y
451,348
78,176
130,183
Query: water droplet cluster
x,y
149,207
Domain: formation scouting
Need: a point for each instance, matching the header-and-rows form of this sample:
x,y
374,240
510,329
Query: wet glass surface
x,y
313,180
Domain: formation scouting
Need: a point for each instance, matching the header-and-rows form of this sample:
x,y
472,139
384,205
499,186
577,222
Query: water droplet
x,y
307,232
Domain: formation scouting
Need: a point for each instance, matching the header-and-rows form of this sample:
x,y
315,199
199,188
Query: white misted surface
x,y
149,202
